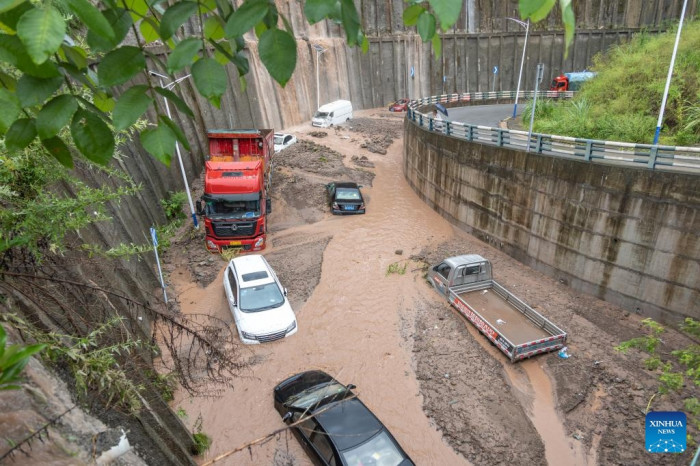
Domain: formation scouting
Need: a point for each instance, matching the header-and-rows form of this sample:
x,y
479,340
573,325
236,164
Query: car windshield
x,y
320,114
261,297
279,139
347,194
317,395
378,451
232,208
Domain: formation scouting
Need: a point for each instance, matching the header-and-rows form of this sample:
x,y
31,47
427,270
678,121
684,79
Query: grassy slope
x,y
622,102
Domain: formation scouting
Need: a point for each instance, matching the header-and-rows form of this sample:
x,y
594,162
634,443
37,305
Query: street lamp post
x,y
169,86
538,78
526,25
319,51
668,78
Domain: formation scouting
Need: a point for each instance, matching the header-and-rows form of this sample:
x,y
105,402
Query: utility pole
x,y
540,75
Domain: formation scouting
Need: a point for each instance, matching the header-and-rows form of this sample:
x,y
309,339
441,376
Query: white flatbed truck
x,y
514,327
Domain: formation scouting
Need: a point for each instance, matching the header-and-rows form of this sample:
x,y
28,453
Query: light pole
x,y
526,25
319,51
538,78
668,78
169,86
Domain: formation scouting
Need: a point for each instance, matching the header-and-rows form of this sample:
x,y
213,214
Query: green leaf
x,y
56,114
278,52
149,30
246,17
120,65
58,149
242,64
41,30
75,55
120,22
271,18
223,53
426,26
175,16
184,54
10,109
179,103
214,28
92,17
437,45
13,51
364,44
21,134
411,14
103,101
316,10
351,20
159,142
447,11
10,16
260,28
130,106
137,8
569,20
211,79
177,131
535,10
92,137
33,91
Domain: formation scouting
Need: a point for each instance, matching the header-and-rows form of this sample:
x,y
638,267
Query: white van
x,y
333,113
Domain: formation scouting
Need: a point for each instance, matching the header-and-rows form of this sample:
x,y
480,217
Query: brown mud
x,y
367,315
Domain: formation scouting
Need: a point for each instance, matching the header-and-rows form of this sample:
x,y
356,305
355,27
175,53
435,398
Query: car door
x,y
304,430
231,289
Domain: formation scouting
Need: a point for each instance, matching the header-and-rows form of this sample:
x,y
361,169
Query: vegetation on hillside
x,y
622,102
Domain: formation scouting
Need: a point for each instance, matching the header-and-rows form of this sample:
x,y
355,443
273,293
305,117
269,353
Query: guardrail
x,y
654,157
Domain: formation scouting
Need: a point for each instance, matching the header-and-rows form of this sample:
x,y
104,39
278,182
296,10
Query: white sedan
x,y
258,301
284,140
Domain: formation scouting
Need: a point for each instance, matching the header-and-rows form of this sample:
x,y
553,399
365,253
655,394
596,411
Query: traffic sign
x,y
495,70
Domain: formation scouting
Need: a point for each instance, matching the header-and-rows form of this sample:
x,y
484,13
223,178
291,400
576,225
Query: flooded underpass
x,y
367,316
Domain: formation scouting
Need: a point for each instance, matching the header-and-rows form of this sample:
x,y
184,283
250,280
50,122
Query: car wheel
x,y
391,109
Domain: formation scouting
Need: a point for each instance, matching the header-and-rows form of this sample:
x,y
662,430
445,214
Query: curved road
x,y
484,115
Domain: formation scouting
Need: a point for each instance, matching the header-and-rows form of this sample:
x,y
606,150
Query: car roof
x,y
348,423
250,264
346,184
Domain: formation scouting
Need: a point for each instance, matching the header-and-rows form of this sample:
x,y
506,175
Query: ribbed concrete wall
x,y
628,236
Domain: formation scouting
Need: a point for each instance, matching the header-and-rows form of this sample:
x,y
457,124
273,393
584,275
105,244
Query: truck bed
x,y
518,329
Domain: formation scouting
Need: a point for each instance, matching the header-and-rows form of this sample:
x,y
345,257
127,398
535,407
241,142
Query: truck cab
x,y
459,270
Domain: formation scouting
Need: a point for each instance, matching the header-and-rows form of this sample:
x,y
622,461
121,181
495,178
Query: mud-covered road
x,y
447,395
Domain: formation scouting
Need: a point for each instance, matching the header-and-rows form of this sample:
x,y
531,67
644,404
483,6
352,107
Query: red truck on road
x,y
236,189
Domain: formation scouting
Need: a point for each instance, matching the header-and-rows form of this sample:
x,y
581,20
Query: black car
x,y
346,198
336,428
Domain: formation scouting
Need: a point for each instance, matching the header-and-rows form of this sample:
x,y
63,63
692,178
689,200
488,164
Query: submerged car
x,y
345,198
400,105
335,427
282,141
257,300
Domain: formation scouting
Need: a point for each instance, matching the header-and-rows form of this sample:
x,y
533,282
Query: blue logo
x,y
665,432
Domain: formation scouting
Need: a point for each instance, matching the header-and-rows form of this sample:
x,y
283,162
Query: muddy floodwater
x,y
367,316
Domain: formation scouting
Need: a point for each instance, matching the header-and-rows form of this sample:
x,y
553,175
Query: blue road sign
x,y
495,70
413,72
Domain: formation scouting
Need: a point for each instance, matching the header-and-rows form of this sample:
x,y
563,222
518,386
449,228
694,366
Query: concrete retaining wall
x,y
628,236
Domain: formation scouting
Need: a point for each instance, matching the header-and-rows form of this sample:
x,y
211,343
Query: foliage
x,y
34,213
13,358
671,379
229,253
202,441
92,364
173,205
396,268
622,102
46,49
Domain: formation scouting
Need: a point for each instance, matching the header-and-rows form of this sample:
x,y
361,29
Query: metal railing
x,y
654,157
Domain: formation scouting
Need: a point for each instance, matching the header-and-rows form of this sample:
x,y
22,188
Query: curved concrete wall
x,y
628,236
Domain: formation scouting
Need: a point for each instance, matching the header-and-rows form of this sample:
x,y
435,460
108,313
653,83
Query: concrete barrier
x,y
626,235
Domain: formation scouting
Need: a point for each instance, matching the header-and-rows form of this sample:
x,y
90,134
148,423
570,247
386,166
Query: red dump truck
x,y
237,179
514,327
571,81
